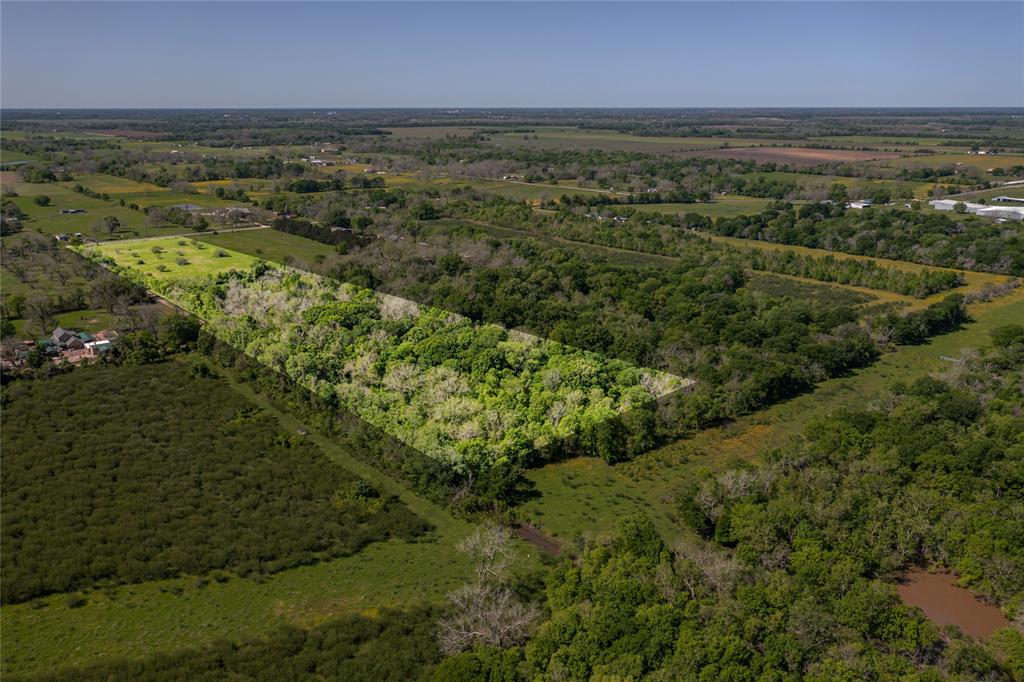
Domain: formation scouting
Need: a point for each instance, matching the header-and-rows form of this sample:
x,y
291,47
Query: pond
x,y
946,603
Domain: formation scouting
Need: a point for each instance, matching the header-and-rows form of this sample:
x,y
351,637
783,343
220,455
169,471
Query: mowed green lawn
x,y
172,258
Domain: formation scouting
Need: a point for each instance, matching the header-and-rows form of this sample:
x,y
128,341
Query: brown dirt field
x,y
795,156
8,178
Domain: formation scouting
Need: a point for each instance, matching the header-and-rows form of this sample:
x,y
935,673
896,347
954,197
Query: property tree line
x,y
926,237
185,477
661,235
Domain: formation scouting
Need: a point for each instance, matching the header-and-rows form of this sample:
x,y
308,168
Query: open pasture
x,y
169,258
973,281
429,132
981,162
273,245
50,220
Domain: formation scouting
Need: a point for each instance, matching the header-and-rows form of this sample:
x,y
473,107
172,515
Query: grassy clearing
x,y
49,220
271,244
1012,191
981,163
170,258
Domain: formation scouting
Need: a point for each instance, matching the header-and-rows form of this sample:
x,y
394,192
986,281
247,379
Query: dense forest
x,y
175,474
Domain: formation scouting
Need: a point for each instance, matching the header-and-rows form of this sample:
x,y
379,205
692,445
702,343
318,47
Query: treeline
x,y
675,196
187,480
661,235
341,234
849,271
927,237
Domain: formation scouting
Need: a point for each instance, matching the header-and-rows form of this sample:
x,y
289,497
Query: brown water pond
x,y
946,603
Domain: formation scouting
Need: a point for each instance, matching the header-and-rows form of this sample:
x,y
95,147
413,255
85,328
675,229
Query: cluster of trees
x,y
782,570
55,280
183,477
324,235
928,237
661,235
465,394
696,319
848,271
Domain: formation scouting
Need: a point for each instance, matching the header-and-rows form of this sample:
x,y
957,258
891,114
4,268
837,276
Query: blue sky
x,y
491,54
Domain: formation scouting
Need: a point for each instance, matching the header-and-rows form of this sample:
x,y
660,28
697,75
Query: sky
x,y
519,54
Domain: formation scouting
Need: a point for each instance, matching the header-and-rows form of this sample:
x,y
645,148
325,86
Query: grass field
x,y
572,138
981,163
147,194
49,220
854,186
270,244
160,257
1011,191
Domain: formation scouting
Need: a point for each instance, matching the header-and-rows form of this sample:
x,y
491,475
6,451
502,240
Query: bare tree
x,y
486,610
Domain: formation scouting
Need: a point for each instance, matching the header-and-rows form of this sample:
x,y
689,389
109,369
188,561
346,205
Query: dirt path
x,y
537,539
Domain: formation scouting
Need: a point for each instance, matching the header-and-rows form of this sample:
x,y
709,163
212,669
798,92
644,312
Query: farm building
x,y
1016,199
950,204
859,204
1007,212
71,211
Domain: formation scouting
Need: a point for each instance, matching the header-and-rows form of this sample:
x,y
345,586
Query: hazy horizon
x,y
419,55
